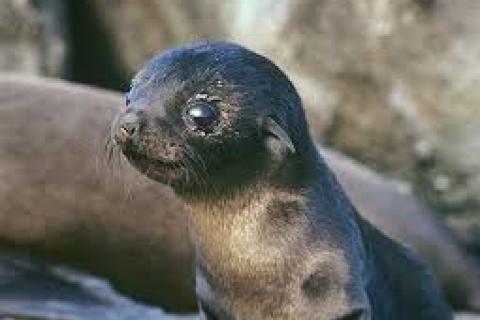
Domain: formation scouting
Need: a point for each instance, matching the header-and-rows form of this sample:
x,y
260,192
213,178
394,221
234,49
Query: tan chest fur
x,y
230,234
250,238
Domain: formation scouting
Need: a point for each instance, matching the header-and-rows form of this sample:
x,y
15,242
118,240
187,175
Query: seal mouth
x,y
145,160
170,172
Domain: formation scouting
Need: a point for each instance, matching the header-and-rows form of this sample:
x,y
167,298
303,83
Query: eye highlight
x,y
202,116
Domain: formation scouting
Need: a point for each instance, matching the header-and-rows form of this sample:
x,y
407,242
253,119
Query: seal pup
x,y
275,236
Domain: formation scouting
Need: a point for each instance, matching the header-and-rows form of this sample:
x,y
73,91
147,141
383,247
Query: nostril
x,y
128,129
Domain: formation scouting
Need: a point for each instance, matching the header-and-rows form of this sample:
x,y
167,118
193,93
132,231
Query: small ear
x,y
277,140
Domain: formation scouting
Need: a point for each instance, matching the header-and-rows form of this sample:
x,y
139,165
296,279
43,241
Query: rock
x,y
467,316
19,32
32,289
31,39
161,24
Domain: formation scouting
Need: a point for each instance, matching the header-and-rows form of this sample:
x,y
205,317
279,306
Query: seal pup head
x,y
220,123
211,116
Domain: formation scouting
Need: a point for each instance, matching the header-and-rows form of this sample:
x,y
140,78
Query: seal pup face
x,y
208,116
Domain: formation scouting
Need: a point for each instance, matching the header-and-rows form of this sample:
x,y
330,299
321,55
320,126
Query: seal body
x,y
275,236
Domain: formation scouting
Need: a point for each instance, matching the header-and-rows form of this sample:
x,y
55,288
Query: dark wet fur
x,y
192,164
276,236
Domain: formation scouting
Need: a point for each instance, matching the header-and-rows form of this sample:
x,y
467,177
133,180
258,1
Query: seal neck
x,y
254,229
297,172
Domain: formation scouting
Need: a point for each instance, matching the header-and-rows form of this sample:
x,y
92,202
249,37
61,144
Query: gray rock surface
x,y
32,38
31,289
467,316
20,38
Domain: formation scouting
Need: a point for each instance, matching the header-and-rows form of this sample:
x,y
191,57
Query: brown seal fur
x,y
60,200
275,236
124,232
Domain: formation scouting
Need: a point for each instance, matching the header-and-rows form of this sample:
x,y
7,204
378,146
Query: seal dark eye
x,y
202,116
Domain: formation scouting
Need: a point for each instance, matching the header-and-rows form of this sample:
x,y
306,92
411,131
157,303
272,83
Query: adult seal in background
x,y
275,236
61,201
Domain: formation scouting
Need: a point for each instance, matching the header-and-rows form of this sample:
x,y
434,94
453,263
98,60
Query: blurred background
x,y
393,84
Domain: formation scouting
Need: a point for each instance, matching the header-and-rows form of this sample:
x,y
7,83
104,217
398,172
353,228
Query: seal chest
x,y
252,248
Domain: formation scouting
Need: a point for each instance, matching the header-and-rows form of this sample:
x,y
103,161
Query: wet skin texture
x,y
275,236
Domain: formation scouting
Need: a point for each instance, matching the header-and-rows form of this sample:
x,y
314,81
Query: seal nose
x,y
128,127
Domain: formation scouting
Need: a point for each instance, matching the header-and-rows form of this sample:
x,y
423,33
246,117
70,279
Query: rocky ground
x,y
62,293
30,289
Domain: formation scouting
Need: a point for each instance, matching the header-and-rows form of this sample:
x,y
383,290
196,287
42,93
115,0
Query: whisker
x,y
197,165
118,170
